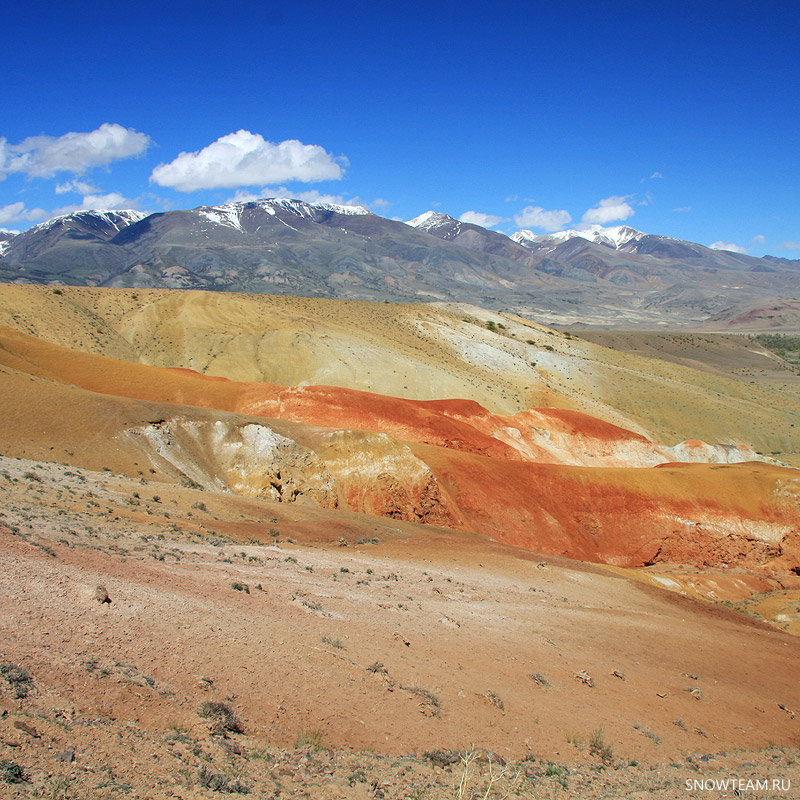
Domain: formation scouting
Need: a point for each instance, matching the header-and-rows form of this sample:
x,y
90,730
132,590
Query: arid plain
x,y
416,550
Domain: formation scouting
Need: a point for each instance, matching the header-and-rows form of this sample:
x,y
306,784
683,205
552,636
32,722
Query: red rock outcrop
x,y
549,480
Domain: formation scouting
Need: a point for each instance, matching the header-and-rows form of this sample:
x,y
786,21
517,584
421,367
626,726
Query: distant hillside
x,y
415,351
604,276
762,315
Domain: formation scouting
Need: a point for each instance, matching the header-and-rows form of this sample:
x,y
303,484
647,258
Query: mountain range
x,y
614,276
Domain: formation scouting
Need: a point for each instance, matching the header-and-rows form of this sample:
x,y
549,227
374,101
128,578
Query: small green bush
x,y
218,782
309,739
223,717
18,679
599,748
11,772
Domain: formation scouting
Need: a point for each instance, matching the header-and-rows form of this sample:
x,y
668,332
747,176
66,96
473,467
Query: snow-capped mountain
x,y
270,245
230,214
69,233
621,238
330,250
615,237
468,235
433,220
105,224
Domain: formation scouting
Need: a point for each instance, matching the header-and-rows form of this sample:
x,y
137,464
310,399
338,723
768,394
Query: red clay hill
x,y
549,480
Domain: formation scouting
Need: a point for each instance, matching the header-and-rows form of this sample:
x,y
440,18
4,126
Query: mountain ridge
x,y
613,276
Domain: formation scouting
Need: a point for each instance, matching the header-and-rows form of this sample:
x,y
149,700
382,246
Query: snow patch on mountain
x,y
5,239
343,209
304,209
227,214
230,214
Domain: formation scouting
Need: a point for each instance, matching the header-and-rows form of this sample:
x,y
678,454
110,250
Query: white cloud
x,y
96,202
656,175
737,248
537,217
682,209
246,159
790,245
112,200
734,248
477,218
16,212
78,187
44,156
610,209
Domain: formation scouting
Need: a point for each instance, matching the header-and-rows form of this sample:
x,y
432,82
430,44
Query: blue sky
x,y
676,118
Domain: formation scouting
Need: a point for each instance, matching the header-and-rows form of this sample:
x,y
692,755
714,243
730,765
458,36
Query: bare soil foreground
x,y
159,641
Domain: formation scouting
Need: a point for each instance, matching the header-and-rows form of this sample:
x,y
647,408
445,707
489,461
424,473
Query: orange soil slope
x,y
701,514
459,475
539,435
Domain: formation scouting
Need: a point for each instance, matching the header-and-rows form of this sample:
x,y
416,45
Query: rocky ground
x,y
160,641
